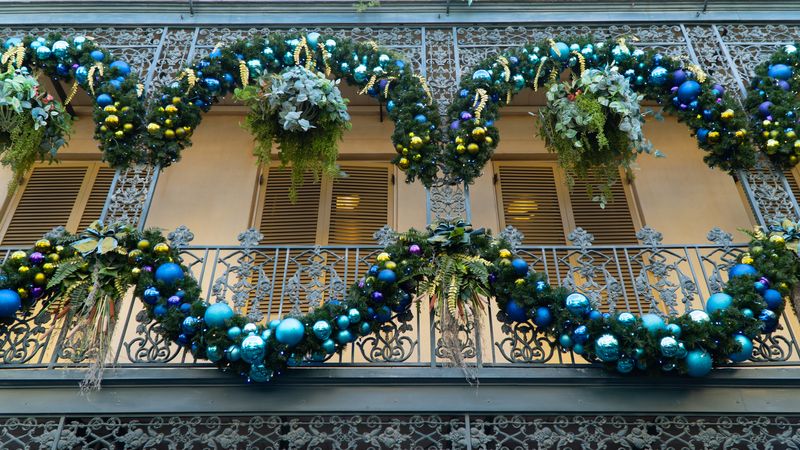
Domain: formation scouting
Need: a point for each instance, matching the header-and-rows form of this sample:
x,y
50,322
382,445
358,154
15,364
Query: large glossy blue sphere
x,y
659,76
97,55
543,316
688,91
218,314
520,266
780,72
253,349
653,323
387,276
290,331
746,348
740,270
104,100
169,273
60,48
718,301
607,348
122,68
190,325
698,363
769,321
577,304
581,334
482,75
774,299
626,318
151,296
515,311
10,303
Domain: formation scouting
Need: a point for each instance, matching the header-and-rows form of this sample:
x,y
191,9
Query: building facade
x,y
664,244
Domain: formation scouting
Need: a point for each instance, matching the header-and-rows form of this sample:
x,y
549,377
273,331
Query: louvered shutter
x,y
791,178
529,198
101,186
47,200
359,205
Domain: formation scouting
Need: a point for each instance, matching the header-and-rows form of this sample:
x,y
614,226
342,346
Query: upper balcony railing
x,y
268,282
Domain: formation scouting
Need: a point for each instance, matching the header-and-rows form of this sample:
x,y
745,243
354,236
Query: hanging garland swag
x,y
103,263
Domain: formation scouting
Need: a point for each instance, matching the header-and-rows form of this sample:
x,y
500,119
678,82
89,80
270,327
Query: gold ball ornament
x,y
489,140
459,140
53,257
461,148
741,133
143,245
134,255
505,262
103,128
59,248
128,127
765,134
766,123
791,134
85,267
125,109
416,143
398,148
473,148
111,109
176,100
403,163
797,143
18,255
793,159
168,122
747,260
776,238
713,136
504,253
119,134
111,120
161,249
478,134
48,267
404,152
42,244
171,109
519,281
187,130
179,132
22,292
772,143
417,157
391,265
23,269
153,128
727,114
40,279
169,134
383,257
136,271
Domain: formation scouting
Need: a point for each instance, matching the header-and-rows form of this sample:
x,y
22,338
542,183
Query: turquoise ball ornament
x,y
344,337
515,311
218,314
259,373
625,365
234,333
255,68
387,276
779,72
78,42
620,53
97,55
43,52
366,328
520,267
60,49
269,54
343,322
659,76
273,324
322,330
674,329
233,353
746,350
213,353
354,315
747,312
626,319
565,340
12,42
698,316
330,45
360,73
81,74
559,51
482,75
290,331
253,349
698,363
329,346
313,39
169,273
519,82
741,270
718,302
607,348
577,304
790,49
688,91
668,346
10,303
653,323
774,299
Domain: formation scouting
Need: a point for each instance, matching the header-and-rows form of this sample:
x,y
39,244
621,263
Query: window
x,y
71,194
343,211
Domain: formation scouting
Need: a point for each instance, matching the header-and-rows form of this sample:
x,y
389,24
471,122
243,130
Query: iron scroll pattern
x,y
430,431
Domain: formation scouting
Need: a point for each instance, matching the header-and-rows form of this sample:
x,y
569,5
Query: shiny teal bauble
x,y
259,373
273,324
345,336
43,52
698,316
234,353
78,42
482,75
12,42
577,304
718,302
519,82
698,363
213,353
668,346
626,319
253,349
384,60
313,40
290,331
674,329
360,73
322,330
746,348
625,365
255,67
565,340
342,322
659,76
559,51
269,54
250,328
10,303
366,328
790,49
653,323
681,351
329,346
169,273
354,315
620,53
607,348
217,314
60,49
330,45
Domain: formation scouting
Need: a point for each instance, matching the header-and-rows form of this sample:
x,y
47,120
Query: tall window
x,y
70,194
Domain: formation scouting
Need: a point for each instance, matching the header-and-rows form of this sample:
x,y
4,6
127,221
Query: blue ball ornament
x,y
121,67
520,266
234,353
420,118
607,348
653,323
35,45
774,299
581,334
60,49
342,322
183,339
698,363
213,353
273,324
12,42
10,303
760,287
159,310
769,321
718,302
329,346
746,348
679,77
577,304
387,276
116,84
595,315
313,39
290,332
565,341
779,72
190,325
43,52
747,312
741,270
234,333
620,53
578,349
151,296
259,373
668,346
543,316
366,328
169,273
215,53
266,335
322,330
540,286
354,315
559,51
212,84
97,55
674,329
698,316
104,100
626,319
688,91
360,73
702,135
625,365
344,337
482,76
253,349
186,308
515,311
255,67
390,105
218,314
383,314
62,69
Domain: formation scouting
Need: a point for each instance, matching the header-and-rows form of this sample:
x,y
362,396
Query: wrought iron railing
x,y
267,282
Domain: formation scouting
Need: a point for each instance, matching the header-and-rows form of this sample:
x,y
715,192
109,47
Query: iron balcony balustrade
x,y
269,282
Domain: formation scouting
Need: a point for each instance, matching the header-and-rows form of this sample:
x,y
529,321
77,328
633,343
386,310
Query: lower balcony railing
x,y
268,282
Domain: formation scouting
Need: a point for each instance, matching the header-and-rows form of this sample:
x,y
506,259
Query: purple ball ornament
x,y
415,249
764,281
173,301
37,291
679,77
763,109
465,115
147,268
377,297
455,125
784,85
36,258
